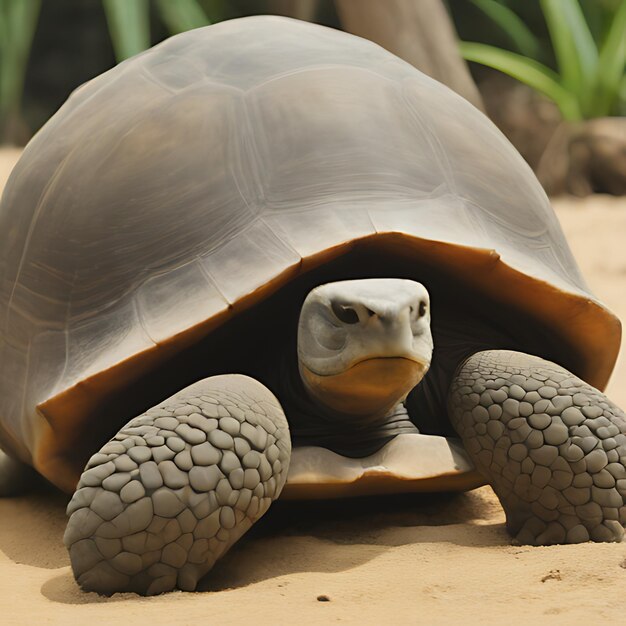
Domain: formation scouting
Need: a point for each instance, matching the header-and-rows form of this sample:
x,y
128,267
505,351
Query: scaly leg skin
x,y
552,447
177,487
16,478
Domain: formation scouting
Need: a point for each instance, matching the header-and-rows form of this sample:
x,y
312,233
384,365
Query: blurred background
x,y
549,73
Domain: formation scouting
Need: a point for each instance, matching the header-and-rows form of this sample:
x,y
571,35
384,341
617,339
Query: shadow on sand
x,y
32,528
293,537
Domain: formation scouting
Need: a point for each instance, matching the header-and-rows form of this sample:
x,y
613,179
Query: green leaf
x,y
129,26
18,21
528,71
612,62
182,15
217,10
521,36
574,47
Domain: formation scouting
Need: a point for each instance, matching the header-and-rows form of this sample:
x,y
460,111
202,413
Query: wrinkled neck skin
x,y
373,429
312,423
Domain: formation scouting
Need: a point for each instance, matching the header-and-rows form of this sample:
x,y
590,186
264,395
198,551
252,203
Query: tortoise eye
x,y
422,309
345,314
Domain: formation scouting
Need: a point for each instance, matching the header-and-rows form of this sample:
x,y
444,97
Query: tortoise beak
x,y
368,389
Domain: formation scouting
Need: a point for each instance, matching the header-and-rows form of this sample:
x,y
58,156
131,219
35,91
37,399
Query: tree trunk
x,y
586,157
418,31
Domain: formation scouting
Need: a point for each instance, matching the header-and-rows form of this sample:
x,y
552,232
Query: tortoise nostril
x,y
422,309
345,313
369,312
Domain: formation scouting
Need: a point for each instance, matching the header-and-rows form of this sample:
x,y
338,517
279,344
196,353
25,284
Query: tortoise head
x,y
364,344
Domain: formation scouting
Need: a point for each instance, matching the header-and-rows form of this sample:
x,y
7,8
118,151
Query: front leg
x,y
177,487
552,447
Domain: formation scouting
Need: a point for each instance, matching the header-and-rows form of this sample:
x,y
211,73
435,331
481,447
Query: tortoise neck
x,y
314,424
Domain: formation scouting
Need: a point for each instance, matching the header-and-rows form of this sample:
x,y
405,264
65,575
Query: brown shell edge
x,y
569,316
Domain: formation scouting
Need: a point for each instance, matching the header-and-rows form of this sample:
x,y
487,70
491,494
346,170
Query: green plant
x,y
129,28
129,21
590,80
18,20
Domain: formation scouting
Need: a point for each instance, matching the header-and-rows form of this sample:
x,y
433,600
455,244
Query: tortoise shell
x,y
195,180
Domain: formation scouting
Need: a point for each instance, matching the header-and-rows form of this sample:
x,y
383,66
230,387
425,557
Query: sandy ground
x,y
409,560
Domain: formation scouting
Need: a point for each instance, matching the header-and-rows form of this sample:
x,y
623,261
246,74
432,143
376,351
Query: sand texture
x,y
406,560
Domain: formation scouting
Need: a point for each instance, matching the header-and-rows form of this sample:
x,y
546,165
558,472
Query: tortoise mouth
x,y
368,389
424,363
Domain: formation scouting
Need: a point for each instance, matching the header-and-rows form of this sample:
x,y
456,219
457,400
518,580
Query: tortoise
x,y
225,263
